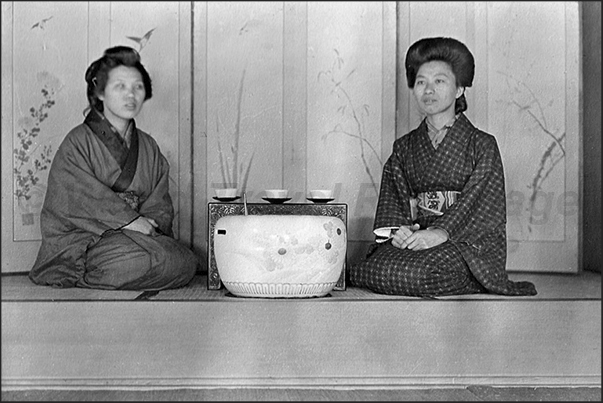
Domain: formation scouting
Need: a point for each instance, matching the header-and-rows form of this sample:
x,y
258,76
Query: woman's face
x,y
435,89
123,96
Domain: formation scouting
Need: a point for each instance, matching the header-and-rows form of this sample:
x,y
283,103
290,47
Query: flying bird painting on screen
x,y
142,42
249,25
40,24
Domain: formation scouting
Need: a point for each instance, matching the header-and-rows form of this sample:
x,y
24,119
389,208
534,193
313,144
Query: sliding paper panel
x,y
49,97
244,96
345,65
533,111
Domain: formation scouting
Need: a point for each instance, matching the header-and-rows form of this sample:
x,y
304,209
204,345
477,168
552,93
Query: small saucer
x,y
320,200
226,199
276,200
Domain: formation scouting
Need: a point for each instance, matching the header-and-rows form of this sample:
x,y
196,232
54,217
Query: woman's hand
x,y
415,239
401,234
143,225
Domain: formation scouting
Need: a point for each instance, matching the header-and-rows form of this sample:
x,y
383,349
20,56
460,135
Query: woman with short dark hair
x,y
441,216
107,216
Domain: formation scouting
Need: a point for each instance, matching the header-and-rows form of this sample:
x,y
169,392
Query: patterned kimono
x,y
473,260
96,186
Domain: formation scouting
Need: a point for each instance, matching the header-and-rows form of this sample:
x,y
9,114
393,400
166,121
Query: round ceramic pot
x,y
280,256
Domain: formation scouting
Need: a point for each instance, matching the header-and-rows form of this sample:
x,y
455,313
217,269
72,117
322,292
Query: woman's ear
x,y
459,91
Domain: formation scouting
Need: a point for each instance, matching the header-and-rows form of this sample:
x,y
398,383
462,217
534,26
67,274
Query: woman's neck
x,y
440,120
121,125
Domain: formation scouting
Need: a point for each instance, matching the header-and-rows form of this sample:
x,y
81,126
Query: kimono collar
x,y
448,125
101,125
460,130
111,138
437,135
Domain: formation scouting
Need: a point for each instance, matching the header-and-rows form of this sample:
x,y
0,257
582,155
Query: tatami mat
x,y
586,285
583,286
20,288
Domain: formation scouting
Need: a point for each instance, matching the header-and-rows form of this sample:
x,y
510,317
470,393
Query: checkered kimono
x,y
473,260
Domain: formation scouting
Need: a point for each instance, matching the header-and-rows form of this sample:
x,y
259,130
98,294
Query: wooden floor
x,y
461,394
385,348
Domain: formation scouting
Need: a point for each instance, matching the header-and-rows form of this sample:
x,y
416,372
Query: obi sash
x,y
432,203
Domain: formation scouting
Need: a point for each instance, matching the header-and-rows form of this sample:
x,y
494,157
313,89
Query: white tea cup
x,y
226,193
276,193
321,194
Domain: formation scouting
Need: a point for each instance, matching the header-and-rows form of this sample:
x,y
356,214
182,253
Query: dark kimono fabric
x,y
473,260
83,243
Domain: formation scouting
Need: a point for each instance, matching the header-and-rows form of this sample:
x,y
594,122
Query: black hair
x,y
448,50
97,73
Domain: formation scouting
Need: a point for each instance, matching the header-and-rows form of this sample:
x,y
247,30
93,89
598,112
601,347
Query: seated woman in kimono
x,y
441,215
106,221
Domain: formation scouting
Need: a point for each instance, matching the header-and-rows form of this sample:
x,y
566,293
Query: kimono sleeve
x,y
158,205
77,197
481,208
393,207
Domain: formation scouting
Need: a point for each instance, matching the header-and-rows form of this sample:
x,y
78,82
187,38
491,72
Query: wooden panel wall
x,y
298,95
43,97
304,95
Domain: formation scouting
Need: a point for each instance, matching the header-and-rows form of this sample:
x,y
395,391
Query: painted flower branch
x,y
553,154
231,174
26,167
350,110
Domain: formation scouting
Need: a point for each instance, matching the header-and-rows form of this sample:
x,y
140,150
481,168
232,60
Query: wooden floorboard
x,y
374,344
199,344
465,394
